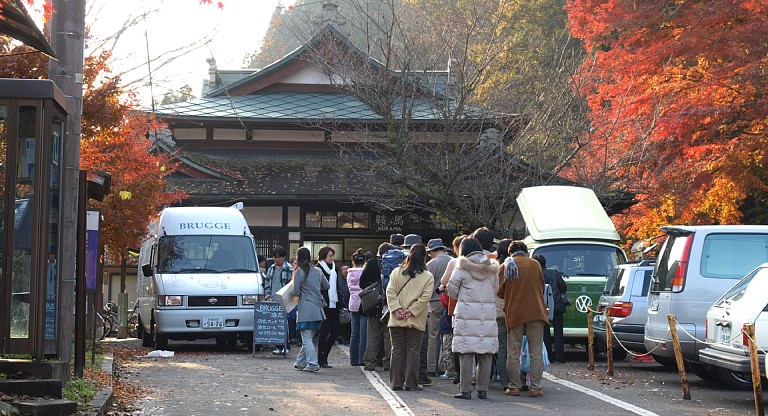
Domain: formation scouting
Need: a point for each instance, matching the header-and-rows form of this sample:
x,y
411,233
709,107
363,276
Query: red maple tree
x,y
678,106
114,140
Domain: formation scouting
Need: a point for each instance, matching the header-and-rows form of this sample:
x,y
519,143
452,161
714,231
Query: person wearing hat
x,y
410,240
436,265
397,240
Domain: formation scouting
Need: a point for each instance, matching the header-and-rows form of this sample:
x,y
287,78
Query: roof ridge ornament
x,y
330,16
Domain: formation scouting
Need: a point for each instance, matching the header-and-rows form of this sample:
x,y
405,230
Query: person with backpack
x,y
377,337
278,275
554,279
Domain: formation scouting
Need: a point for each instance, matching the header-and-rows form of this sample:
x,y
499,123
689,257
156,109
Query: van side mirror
x,y
146,269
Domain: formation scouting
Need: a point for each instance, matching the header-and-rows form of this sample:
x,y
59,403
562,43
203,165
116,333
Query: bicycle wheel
x,y
107,327
100,326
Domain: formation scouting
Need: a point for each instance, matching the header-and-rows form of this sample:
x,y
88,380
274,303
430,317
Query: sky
x,y
234,32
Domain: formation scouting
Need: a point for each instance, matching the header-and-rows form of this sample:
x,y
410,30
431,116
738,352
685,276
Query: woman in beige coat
x,y
408,293
474,283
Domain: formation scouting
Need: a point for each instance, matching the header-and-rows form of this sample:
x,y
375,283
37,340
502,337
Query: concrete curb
x,y
103,399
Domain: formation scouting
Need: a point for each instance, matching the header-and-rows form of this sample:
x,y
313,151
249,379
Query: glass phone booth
x,y
32,123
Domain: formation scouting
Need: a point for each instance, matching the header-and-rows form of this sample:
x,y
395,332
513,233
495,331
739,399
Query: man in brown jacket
x,y
521,285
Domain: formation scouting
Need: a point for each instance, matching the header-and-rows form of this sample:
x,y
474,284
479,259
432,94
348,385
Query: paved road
x,y
203,380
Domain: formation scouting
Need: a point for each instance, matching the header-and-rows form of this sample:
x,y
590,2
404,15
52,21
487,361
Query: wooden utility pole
x,y
679,356
67,28
754,363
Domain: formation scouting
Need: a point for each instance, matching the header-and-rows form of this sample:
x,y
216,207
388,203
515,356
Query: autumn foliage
x,y
114,140
678,107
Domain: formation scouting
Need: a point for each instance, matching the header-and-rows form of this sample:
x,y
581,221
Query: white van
x,y
696,265
569,227
199,277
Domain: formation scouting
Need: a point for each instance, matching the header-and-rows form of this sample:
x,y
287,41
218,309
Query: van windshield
x,y
582,259
206,253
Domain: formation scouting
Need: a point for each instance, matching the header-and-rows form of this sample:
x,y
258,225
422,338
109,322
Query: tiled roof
x,y
271,174
285,106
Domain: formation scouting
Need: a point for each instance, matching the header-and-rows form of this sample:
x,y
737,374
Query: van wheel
x,y
146,337
665,361
706,372
232,342
161,341
734,380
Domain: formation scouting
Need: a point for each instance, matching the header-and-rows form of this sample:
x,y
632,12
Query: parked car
x,y
728,352
625,297
695,266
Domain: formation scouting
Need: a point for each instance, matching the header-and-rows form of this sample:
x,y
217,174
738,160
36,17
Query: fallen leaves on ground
x,y
126,395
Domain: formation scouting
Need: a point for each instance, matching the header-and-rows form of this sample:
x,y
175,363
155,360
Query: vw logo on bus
x,y
583,303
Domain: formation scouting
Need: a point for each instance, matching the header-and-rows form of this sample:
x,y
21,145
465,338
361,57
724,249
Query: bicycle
x,y
133,321
107,319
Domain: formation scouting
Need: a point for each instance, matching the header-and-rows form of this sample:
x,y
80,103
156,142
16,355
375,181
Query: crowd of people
x,y
464,313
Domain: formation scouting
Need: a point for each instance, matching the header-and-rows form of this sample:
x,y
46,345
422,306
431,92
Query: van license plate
x,y
213,322
725,334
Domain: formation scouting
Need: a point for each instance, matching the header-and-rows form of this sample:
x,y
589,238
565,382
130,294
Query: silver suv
x,y
625,296
696,265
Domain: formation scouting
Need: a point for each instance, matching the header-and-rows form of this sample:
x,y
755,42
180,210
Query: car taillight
x,y
621,309
744,337
706,329
678,280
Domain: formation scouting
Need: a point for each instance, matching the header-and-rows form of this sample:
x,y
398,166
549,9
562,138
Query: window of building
x,y
333,219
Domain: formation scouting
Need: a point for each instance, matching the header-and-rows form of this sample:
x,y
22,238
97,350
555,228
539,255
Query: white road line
x,y
604,397
393,400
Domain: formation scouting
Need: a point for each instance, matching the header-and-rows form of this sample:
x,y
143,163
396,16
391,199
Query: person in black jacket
x,y
554,279
376,330
335,299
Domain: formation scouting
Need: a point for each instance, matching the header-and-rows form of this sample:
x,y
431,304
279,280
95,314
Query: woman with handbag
x,y
307,284
408,294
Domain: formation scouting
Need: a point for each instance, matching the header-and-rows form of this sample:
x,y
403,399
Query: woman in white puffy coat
x,y
474,283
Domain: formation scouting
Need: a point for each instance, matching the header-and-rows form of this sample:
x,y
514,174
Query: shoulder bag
x,y
371,300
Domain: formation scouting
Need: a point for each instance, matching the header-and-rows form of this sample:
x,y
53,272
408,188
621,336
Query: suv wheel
x,y
734,380
706,372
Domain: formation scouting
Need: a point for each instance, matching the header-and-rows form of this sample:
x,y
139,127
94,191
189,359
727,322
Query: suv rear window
x,y
724,256
617,282
619,279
